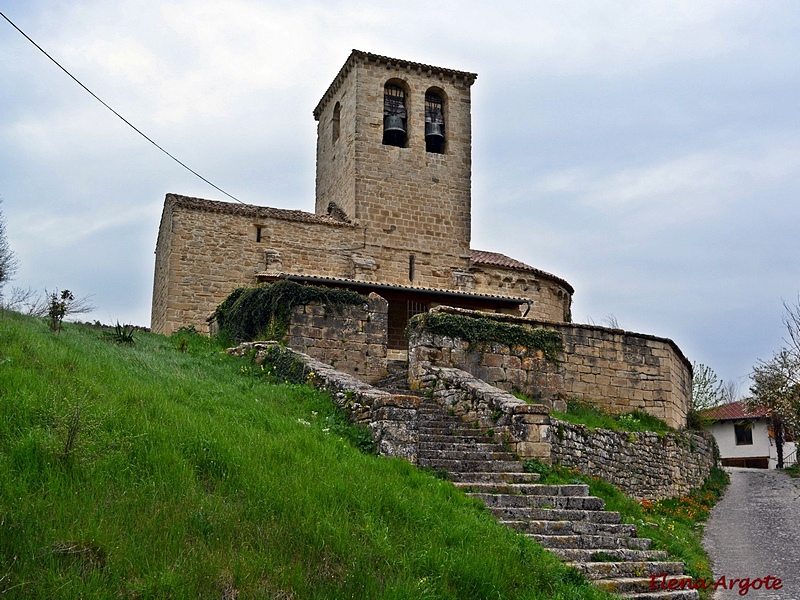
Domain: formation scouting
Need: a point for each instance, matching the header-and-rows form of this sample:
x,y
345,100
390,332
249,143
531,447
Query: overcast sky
x,y
647,152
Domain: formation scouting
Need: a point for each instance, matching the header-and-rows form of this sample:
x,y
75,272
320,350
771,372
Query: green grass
x,y
674,524
794,470
594,417
165,469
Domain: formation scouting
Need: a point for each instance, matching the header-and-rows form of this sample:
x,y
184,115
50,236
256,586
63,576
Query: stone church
x,y
392,220
392,213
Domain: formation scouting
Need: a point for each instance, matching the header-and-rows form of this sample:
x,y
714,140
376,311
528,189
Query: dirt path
x,y
754,532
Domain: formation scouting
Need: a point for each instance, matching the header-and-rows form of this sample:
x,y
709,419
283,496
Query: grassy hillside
x,y
166,470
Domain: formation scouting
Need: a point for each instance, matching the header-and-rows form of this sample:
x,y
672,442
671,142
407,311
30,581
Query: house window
x,y
337,109
258,234
744,433
434,122
394,116
411,265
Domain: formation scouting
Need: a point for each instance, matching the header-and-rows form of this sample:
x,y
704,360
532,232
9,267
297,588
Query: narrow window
x,y
394,116
434,123
411,265
335,121
258,234
744,433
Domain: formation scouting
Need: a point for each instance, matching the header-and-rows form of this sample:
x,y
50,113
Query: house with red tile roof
x,y
745,436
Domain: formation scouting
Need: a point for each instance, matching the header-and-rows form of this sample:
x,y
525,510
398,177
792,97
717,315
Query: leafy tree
x,y
708,390
776,383
8,261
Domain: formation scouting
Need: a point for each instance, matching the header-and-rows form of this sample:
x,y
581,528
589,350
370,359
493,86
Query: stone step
x,y
465,455
458,432
541,501
634,586
437,410
628,569
554,514
571,527
473,445
663,595
609,554
468,440
489,477
594,542
455,427
522,489
455,466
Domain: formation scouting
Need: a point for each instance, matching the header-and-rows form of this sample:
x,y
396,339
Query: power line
x,y
128,123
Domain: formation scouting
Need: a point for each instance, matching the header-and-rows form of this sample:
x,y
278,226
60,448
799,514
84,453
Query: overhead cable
x,y
128,123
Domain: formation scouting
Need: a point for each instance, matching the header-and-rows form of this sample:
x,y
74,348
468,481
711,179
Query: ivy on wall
x,y
478,332
264,311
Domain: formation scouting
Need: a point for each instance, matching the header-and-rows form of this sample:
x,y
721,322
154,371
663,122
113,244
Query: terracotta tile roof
x,y
357,55
495,259
251,210
734,410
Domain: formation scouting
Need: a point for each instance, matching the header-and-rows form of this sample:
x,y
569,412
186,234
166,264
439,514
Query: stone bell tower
x,y
394,156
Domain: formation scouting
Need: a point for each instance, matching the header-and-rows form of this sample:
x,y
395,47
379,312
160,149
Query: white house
x,y
745,437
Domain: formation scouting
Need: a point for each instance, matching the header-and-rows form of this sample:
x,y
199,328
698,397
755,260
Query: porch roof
x,y
377,287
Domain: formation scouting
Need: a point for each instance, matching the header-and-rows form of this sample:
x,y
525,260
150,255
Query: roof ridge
x,y
254,210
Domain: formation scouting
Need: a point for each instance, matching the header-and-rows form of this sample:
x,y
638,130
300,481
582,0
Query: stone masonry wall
x,y
551,299
617,370
646,465
353,341
623,371
207,249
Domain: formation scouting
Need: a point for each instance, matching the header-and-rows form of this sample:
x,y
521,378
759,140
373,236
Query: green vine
x,y
264,311
478,332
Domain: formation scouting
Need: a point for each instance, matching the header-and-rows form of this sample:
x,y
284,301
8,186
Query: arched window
x,y
337,109
434,122
394,116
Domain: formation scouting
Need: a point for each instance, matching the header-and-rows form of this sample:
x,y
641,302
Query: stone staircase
x,y
565,519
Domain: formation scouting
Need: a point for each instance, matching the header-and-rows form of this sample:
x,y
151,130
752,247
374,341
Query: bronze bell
x,y
433,132
394,123
394,132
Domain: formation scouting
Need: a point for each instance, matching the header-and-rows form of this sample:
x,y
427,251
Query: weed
x,y
57,309
121,334
603,557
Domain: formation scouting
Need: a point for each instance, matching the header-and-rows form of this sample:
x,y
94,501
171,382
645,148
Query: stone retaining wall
x,y
643,465
617,370
392,419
